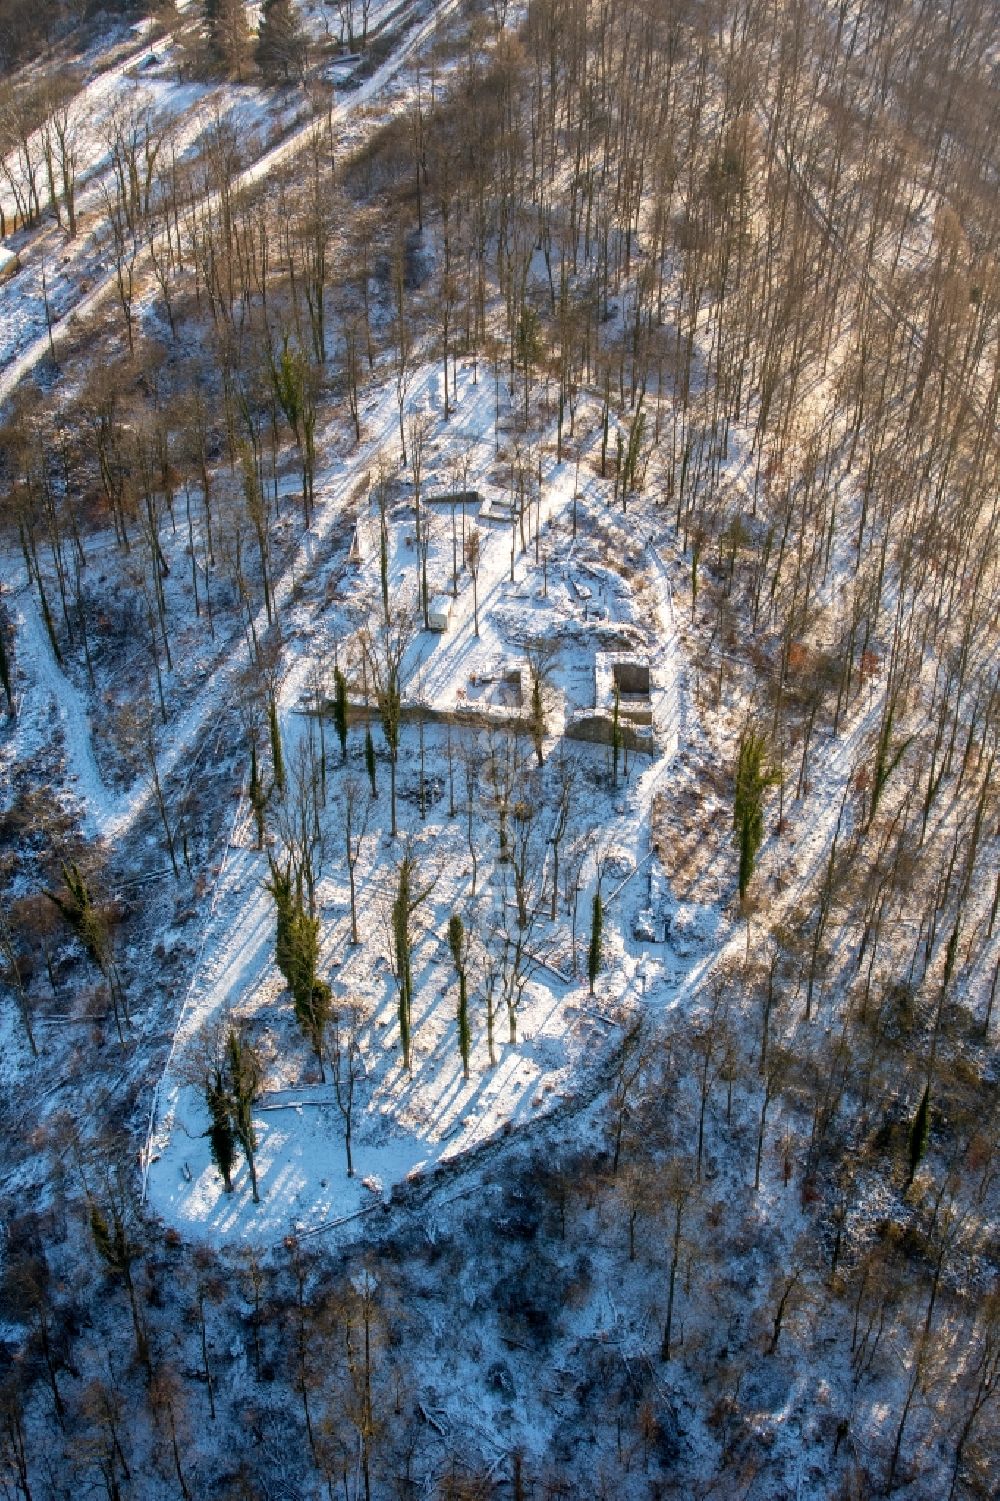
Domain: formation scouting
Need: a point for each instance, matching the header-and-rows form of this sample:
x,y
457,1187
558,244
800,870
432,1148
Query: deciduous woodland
x,y
499,693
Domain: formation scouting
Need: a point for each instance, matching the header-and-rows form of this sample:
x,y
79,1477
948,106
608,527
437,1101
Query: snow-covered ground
x,y
660,949
407,1124
679,953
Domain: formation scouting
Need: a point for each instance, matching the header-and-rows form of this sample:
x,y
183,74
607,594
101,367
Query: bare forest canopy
x,y
728,274
28,27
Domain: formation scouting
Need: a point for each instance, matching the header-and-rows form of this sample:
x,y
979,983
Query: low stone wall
x,y
590,726
485,718
596,728
455,498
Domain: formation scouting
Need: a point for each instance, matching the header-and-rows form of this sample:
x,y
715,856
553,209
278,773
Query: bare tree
x,y
679,1191
541,654
348,1068
385,645
357,811
473,558
409,896
419,428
